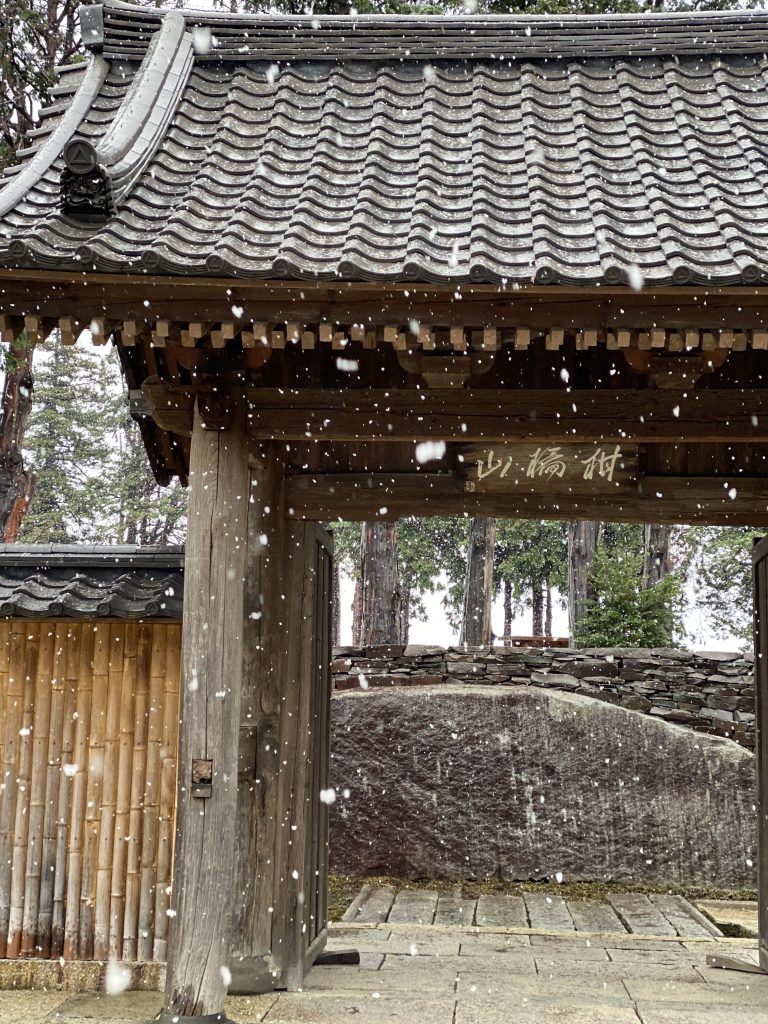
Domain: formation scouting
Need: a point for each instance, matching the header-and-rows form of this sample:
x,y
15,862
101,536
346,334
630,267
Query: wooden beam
x,y
360,496
647,416
212,666
124,296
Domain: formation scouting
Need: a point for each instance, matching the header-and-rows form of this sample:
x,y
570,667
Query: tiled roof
x,y
74,582
556,150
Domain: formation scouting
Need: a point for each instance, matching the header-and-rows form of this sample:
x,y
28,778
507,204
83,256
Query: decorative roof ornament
x,y
86,192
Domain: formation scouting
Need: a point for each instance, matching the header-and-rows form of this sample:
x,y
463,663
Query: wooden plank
x,y
454,910
687,921
666,499
413,907
760,578
548,911
265,647
486,416
639,915
204,857
590,916
295,757
501,912
595,468
376,906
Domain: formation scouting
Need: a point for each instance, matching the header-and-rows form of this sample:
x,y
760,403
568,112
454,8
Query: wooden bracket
x,y
668,372
439,371
169,405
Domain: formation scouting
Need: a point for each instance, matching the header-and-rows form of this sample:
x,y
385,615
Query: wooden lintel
x,y
359,496
647,416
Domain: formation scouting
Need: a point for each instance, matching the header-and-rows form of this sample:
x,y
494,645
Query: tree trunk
x,y
380,585
537,608
583,538
16,482
405,614
507,612
336,606
357,613
547,608
657,563
478,588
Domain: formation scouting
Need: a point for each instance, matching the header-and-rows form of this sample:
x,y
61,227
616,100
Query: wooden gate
x,y
288,855
315,917
760,562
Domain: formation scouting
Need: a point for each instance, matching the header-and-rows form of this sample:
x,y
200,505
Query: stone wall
x,y
712,692
477,781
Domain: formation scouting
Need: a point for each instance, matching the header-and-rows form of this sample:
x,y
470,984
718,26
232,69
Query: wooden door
x,y
316,902
760,562
300,936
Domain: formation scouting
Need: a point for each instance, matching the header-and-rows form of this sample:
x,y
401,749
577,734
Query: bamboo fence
x,y
88,737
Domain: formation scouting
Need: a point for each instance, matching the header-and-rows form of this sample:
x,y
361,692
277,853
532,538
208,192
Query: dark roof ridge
x,y
73,556
123,30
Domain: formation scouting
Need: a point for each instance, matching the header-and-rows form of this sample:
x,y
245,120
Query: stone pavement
x,y
636,913
430,974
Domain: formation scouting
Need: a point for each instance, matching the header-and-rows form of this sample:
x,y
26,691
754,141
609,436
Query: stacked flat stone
x,y
710,691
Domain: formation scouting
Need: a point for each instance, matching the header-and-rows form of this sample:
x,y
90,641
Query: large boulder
x,y
476,782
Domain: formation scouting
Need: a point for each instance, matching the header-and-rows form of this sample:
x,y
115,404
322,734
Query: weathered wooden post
x,y
211,682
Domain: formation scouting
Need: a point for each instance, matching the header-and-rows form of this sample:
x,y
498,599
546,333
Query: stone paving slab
x,y
636,913
306,1008
515,979
672,990
501,912
548,911
660,1013
639,915
591,916
684,917
493,1013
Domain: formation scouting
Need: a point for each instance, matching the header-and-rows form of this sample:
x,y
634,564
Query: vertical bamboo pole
x,y
123,793
6,798
168,786
66,916
55,873
45,725
24,769
14,704
96,733
150,811
214,579
111,741
138,767
49,763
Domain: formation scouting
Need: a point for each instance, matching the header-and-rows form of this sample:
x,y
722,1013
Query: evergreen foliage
x,y
721,573
624,612
93,480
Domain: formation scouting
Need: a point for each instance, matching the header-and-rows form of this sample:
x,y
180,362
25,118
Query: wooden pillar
x,y
212,664
284,741
760,561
